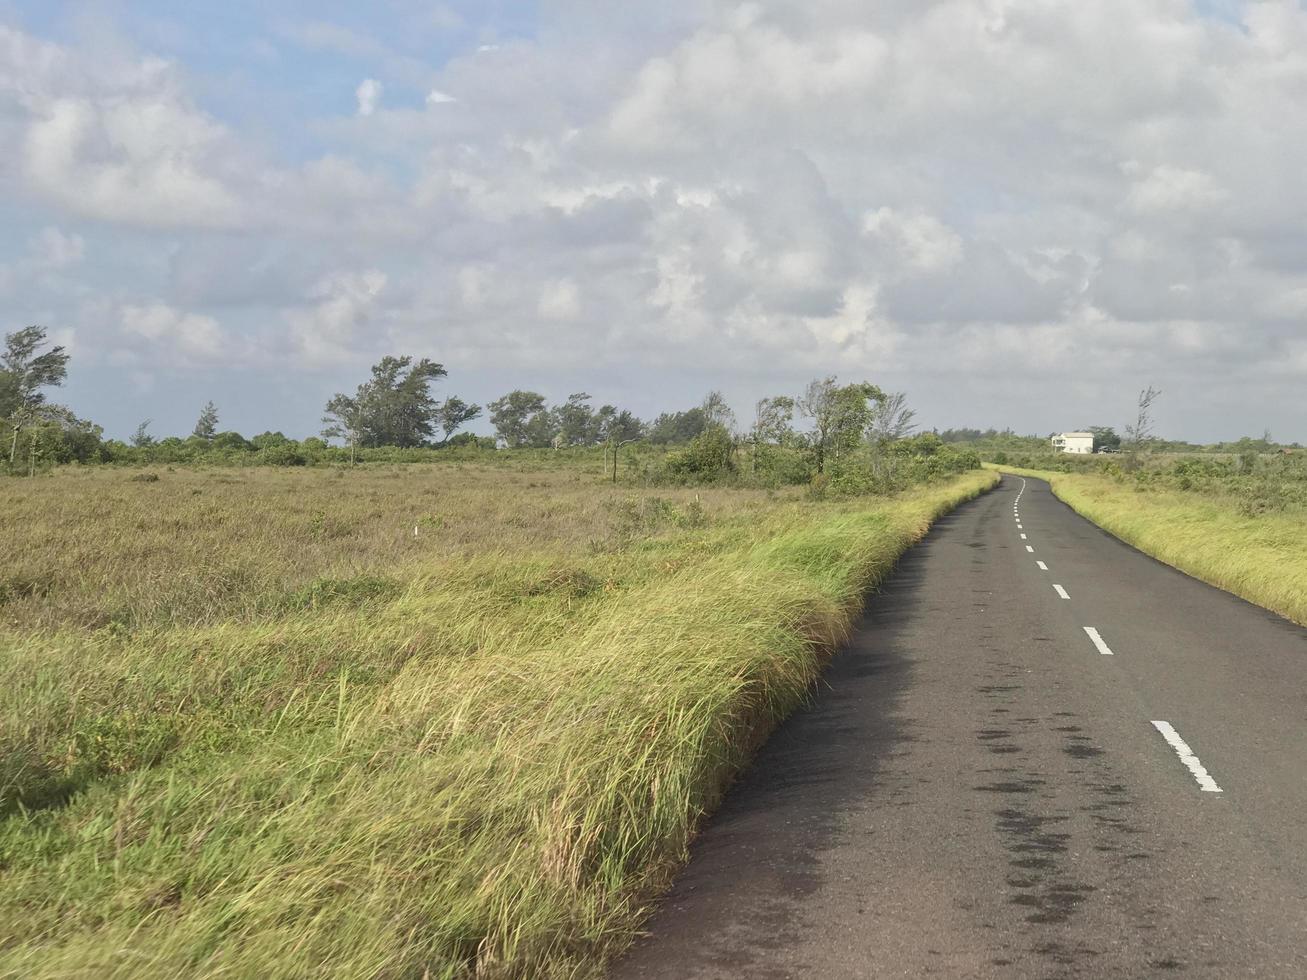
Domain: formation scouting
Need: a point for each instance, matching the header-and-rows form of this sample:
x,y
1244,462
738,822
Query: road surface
x,y
1044,755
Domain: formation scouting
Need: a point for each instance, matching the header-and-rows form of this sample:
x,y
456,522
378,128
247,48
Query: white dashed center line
x,y
1187,756
1103,648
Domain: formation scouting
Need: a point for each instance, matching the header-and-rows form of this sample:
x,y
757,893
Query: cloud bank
x,y
1021,211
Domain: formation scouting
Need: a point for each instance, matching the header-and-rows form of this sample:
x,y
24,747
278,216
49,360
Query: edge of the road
x,y
1271,596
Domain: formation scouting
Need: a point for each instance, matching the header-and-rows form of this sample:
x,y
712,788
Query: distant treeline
x,y
848,438
989,440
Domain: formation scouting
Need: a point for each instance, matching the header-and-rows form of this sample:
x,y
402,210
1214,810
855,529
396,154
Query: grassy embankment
x,y
1213,536
250,725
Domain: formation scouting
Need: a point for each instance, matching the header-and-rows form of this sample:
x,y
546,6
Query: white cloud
x,y
174,336
369,96
916,188
51,256
560,300
55,249
340,306
1169,188
113,141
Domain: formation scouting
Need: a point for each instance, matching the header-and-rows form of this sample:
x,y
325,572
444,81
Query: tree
x,y
891,419
622,427
576,421
817,403
206,426
396,404
840,415
1141,432
521,419
343,420
854,411
392,408
542,430
1105,437
772,419
716,411
676,427
142,439
23,373
771,425
453,413
601,423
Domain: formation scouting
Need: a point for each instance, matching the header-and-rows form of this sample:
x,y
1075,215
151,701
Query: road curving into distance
x,y
1044,754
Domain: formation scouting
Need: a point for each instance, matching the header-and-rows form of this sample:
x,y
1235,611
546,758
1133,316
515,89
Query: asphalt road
x,y
980,790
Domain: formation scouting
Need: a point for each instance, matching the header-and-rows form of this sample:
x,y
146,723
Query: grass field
x,y
251,724
1215,536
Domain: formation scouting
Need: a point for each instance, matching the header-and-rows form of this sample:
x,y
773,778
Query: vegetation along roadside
x,y
458,749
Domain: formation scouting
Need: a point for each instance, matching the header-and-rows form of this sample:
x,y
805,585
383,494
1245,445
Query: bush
x,y
227,441
709,457
471,441
281,454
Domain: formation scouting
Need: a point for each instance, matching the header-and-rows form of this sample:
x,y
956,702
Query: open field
x,y
102,547
251,725
1246,536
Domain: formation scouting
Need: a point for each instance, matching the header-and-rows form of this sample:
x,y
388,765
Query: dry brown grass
x,y
95,547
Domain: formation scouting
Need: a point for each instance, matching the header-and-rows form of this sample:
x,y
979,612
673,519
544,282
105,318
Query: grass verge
x,y
1261,558
488,771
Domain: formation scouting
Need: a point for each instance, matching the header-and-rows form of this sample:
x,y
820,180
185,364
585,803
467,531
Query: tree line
x,y
396,410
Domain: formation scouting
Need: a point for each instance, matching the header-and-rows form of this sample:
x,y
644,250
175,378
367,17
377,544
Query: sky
x,y
1018,212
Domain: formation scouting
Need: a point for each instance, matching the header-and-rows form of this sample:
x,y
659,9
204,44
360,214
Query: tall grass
x,y
486,769
97,547
1260,557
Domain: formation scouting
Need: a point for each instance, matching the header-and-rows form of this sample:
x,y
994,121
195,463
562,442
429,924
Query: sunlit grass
x,y
485,765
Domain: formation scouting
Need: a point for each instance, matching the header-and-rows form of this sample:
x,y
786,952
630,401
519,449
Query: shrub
x,y
281,454
708,457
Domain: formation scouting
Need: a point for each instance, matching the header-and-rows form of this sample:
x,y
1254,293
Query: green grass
x,y
1261,557
480,754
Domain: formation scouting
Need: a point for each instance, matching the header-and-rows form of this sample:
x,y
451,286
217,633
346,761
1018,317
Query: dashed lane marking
x,y
1061,591
1186,754
1042,566
1098,641
1030,549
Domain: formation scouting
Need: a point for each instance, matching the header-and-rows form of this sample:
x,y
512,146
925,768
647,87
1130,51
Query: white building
x,y
1081,443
